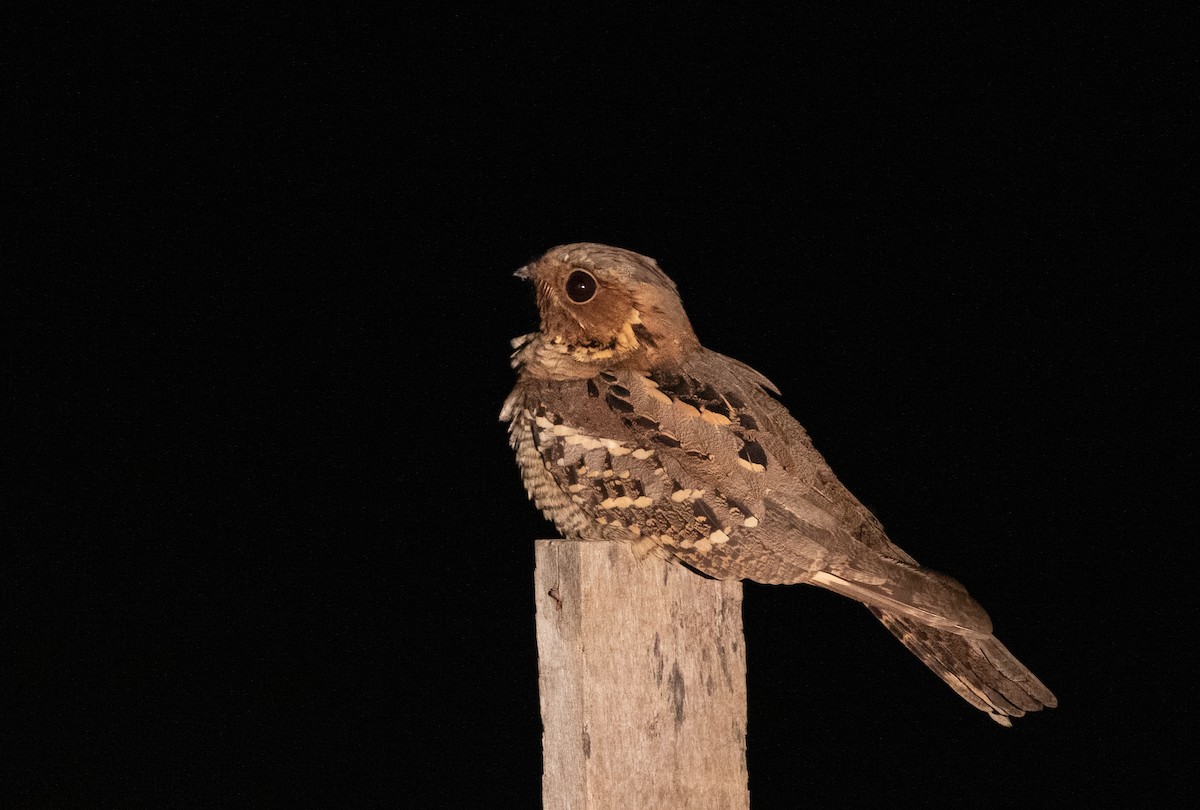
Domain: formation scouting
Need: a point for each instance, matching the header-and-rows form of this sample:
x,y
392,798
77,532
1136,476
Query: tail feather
x,y
981,670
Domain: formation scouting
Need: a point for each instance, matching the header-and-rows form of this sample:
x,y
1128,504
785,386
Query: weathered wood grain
x,y
642,675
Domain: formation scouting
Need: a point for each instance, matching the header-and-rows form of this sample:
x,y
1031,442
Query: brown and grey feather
x,y
626,428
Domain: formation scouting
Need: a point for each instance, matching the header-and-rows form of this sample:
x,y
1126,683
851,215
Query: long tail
x,y
982,670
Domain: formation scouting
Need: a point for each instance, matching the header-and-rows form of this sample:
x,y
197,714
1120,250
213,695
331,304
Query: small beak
x,y
523,273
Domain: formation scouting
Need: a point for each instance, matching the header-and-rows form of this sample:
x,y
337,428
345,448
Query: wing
x,y
699,463
812,529
763,504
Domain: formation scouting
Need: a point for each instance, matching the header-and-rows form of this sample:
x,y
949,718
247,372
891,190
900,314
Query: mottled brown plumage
x,y
626,428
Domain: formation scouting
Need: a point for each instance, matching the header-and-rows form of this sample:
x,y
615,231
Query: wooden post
x,y
642,674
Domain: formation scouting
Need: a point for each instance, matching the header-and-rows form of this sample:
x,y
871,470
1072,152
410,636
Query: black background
x,y
270,542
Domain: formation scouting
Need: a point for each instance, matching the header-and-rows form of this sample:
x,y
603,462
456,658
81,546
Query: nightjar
x,y
626,428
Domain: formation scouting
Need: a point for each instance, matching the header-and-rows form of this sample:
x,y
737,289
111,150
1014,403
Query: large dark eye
x,y
581,287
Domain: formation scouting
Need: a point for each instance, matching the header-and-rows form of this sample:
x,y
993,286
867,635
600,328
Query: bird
x,y
626,428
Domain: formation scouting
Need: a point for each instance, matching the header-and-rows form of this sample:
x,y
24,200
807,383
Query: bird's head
x,y
601,304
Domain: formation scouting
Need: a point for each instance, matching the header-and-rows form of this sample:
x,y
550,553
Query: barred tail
x,y
982,670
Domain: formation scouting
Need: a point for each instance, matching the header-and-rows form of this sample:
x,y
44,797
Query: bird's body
x,y
626,428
